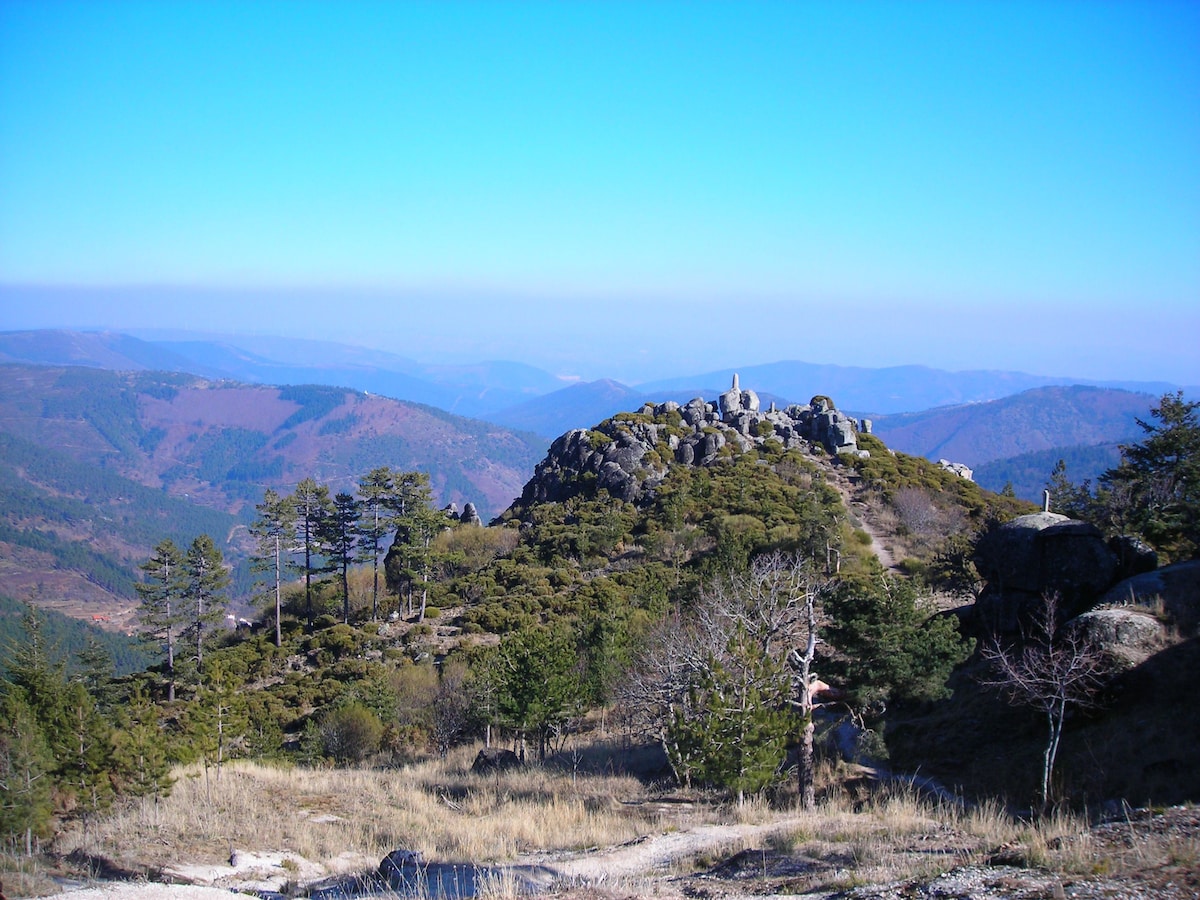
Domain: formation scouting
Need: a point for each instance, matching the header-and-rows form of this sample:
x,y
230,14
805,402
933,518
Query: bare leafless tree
x,y
778,601
916,510
777,605
1051,669
656,686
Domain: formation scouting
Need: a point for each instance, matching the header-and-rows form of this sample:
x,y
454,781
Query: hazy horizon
x,y
629,191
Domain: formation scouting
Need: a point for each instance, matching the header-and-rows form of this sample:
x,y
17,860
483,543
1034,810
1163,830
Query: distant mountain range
x,y
979,418
1018,440
1029,473
466,390
513,394
876,392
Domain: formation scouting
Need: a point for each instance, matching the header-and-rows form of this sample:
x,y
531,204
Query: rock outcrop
x,y
1172,590
629,455
1127,636
470,516
1109,585
1039,554
960,469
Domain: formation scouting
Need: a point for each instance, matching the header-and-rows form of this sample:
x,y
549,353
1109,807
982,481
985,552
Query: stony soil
x,y
1136,856
1143,855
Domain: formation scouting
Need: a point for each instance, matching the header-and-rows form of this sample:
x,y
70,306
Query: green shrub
x,y
416,633
350,733
598,439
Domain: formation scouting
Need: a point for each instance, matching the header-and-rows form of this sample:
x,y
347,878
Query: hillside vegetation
x,y
98,466
721,625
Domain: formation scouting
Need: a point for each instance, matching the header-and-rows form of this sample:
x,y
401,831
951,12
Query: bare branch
x,y
1051,670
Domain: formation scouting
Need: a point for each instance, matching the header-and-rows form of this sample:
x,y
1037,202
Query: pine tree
x,y
377,489
84,751
96,673
311,506
26,767
341,538
219,718
540,686
36,668
891,646
410,560
1157,483
161,609
274,531
206,582
735,727
139,757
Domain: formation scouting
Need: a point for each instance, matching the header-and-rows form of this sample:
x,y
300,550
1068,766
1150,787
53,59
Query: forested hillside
x,y
1039,419
97,466
1029,473
80,644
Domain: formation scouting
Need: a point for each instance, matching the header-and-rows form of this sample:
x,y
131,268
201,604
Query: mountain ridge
x,y
487,389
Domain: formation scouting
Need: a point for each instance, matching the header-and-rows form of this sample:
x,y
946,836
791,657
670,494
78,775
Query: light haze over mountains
x,y
622,191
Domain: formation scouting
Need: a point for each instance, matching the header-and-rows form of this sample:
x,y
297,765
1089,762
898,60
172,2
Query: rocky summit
x,y
629,454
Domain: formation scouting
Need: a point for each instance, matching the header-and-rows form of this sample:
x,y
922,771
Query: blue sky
x,y
630,190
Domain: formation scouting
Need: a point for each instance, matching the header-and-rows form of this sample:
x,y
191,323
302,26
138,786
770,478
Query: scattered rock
x,y
960,469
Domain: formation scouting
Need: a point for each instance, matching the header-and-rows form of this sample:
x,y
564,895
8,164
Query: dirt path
x,y
882,553
652,854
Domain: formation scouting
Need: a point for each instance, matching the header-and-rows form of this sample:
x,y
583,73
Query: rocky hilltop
x,y
629,454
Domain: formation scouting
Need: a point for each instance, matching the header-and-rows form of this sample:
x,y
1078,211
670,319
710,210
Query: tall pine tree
x,y
341,538
162,596
311,506
26,767
206,582
274,532
377,490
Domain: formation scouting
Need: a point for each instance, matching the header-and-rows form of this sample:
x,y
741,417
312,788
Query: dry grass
x,y
439,808
347,820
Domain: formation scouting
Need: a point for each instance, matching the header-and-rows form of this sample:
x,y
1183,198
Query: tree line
x,y
308,534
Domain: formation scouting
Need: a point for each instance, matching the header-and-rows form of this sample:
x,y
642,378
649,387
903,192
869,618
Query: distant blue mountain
x,y
1034,420
578,406
511,392
1029,473
96,350
471,390
894,389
